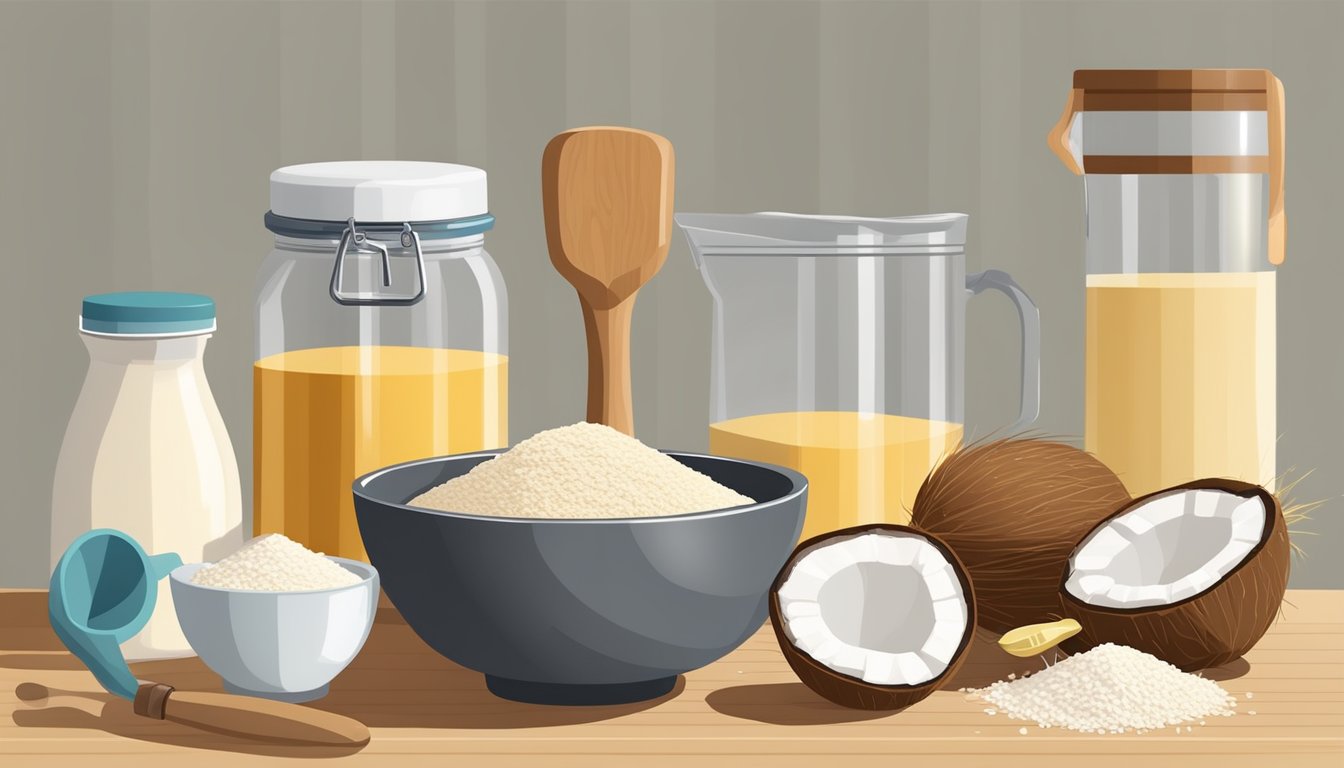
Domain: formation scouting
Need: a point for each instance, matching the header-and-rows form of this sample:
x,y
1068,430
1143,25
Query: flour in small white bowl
x,y
274,563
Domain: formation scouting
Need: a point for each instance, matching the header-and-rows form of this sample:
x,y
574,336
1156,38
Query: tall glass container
x,y
381,337
1183,176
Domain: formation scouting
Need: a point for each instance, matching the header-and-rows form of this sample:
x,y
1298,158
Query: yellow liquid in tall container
x,y
324,416
1181,377
860,468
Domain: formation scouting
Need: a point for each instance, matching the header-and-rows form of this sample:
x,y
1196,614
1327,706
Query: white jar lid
x,y
375,190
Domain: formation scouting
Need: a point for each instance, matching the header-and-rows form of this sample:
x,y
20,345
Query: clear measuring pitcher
x,y
839,347
1183,175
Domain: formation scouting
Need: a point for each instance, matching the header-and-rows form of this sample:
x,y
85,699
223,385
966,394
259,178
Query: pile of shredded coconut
x,y
1109,689
580,471
274,563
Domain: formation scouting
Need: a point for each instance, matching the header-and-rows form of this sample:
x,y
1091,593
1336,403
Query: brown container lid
x,y
1172,90
1173,80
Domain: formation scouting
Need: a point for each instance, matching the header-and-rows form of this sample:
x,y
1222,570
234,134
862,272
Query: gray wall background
x,y
137,140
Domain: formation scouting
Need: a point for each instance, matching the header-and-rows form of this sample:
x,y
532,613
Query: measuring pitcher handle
x,y
1030,317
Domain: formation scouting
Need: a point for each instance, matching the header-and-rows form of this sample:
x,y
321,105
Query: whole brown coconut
x,y
847,690
1013,510
1211,628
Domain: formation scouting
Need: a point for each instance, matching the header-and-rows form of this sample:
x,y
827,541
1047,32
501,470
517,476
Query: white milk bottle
x,y
146,451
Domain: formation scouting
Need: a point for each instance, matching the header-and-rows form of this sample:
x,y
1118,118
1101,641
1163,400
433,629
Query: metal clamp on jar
x,y
354,238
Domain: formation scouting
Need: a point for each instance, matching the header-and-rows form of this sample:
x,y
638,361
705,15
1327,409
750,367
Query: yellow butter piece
x,y
1035,639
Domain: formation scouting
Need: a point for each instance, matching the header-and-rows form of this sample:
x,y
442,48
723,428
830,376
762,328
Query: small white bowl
x,y
277,645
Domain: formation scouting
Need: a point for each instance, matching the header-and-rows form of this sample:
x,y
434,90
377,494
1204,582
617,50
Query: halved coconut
x,y
873,617
1193,575
1013,510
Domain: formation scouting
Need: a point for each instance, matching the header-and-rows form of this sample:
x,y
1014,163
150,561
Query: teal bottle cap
x,y
147,313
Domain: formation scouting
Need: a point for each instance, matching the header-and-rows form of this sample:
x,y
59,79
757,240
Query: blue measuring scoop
x,y
102,593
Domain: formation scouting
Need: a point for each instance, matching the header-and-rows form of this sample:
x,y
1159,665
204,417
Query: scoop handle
x,y
249,718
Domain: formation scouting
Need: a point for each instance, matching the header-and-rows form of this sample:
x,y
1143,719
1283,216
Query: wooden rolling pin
x,y
249,718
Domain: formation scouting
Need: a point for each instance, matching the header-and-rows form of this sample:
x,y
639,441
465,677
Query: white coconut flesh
x,y
884,607
1170,548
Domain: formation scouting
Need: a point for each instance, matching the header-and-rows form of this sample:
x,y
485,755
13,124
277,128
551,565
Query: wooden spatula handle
x,y
609,398
249,718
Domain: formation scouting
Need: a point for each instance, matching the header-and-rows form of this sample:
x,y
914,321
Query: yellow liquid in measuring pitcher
x,y
860,468
322,417
1180,377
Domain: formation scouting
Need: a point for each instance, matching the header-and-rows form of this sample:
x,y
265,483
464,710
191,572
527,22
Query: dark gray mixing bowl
x,y
580,611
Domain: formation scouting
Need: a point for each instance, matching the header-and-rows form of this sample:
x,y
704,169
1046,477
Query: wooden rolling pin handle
x,y
249,718
150,699
609,398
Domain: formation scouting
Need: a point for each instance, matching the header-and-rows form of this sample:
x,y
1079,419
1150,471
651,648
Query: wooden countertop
x,y
746,709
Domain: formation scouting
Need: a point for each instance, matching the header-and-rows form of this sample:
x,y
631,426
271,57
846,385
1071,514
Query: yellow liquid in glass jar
x,y
324,416
1180,377
860,468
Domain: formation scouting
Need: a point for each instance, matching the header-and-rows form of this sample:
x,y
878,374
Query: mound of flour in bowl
x,y
580,471
274,563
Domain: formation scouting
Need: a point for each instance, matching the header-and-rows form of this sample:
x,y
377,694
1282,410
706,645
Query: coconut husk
x,y
853,692
1013,510
1212,628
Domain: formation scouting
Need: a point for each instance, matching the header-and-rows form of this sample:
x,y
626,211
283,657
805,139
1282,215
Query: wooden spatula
x,y
607,194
